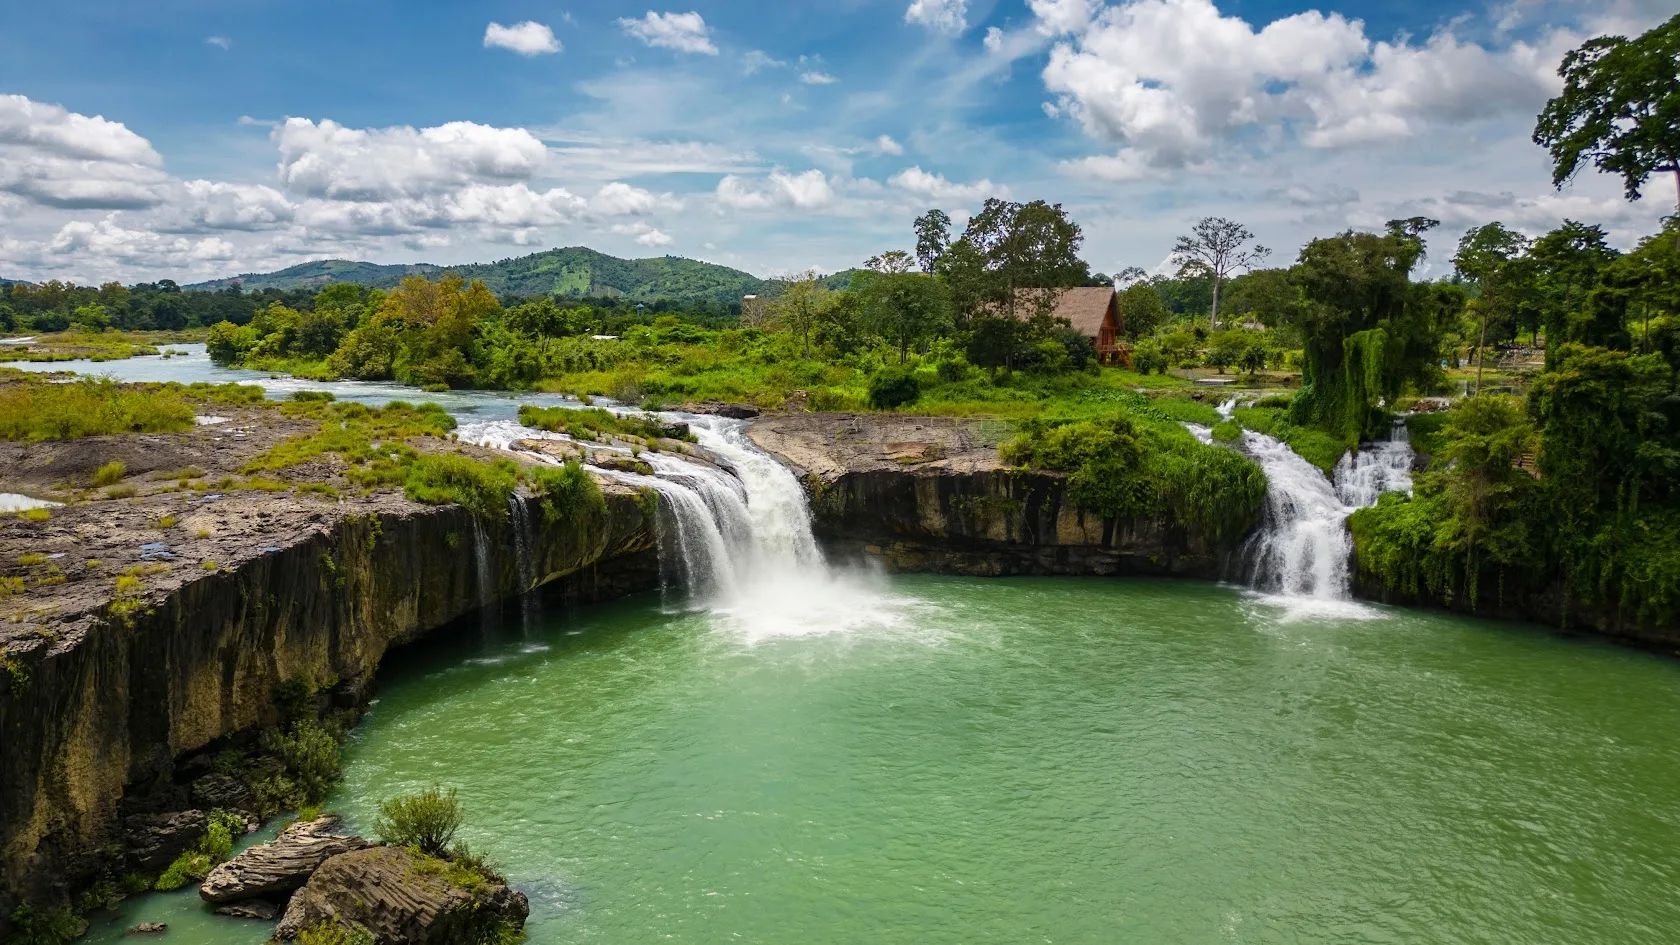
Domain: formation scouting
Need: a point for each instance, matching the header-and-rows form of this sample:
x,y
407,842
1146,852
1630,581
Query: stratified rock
x,y
715,408
221,791
276,868
250,909
155,840
402,898
147,928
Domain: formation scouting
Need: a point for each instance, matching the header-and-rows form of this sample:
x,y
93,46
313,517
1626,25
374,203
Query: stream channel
x,y
790,751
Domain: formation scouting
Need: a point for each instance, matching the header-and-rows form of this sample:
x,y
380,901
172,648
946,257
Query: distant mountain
x,y
575,271
12,282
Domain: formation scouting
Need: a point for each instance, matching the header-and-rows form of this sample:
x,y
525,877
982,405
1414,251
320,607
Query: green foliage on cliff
x,y
591,423
1124,466
1574,493
330,933
483,488
213,848
570,498
31,926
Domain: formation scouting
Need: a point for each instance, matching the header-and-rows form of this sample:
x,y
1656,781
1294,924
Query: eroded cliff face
x,y
110,711
928,494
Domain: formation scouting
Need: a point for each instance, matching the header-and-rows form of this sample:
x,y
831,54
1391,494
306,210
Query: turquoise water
x,y
1040,760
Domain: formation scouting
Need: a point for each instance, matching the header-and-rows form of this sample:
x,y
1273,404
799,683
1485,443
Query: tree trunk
x,y
1213,317
1481,353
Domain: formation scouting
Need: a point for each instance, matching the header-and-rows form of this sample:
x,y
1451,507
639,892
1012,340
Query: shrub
x,y
309,766
426,821
30,560
483,488
109,473
57,927
166,521
893,387
35,515
214,847
120,492
331,933
36,411
570,494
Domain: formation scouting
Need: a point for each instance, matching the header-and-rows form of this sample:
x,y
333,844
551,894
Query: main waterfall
x,y
735,535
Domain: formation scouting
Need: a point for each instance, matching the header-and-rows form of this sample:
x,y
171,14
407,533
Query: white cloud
x,y
935,187
111,242
810,190
212,205
886,145
332,161
940,16
58,158
1174,80
994,40
684,32
529,38
220,42
817,78
757,60
644,235
618,199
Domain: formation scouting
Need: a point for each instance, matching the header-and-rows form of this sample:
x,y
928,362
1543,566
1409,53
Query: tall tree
x,y
1220,247
891,261
1619,109
933,237
906,308
798,307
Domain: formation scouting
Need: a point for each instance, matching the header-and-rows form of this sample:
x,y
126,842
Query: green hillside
x,y
575,271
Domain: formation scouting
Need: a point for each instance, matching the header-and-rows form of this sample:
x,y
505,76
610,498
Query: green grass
x,y
591,423
1321,449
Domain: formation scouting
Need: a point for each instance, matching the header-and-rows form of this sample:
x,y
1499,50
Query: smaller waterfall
x,y
1302,548
481,562
524,545
1363,475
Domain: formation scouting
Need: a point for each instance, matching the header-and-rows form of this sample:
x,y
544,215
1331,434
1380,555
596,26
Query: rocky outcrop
x,y
929,494
114,706
155,840
276,869
403,899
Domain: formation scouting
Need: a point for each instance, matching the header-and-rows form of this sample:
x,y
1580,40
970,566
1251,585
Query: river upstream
x,y
807,753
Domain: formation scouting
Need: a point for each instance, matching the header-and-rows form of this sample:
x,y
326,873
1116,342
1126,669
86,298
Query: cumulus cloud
x,y
815,77
810,190
332,161
52,156
886,145
940,16
108,240
529,38
935,187
644,235
618,199
203,205
1172,80
684,32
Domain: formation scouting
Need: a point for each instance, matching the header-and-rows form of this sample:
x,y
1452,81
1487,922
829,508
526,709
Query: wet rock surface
x,y
275,869
402,899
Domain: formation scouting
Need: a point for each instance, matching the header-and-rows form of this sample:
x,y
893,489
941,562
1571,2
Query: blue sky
x,y
188,139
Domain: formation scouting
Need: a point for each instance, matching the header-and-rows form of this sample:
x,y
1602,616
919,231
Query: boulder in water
x,y
404,898
274,869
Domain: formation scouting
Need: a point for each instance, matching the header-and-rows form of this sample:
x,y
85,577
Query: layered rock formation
x,y
273,871
403,898
929,494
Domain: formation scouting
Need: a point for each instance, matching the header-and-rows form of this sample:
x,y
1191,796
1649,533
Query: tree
x,y
1489,256
905,308
891,261
1619,109
1142,310
797,308
1218,247
933,237
1025,246
539,319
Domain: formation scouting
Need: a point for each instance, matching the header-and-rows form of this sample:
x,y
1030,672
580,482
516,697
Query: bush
x,y
215,847
570,494
110,473
330,933
893,387
309,765
483,488
426,821
57,927
36,411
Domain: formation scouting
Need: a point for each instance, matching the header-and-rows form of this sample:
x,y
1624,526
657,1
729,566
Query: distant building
x,y
1093,311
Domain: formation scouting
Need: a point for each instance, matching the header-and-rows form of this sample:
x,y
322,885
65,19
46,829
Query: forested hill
x,y
575,270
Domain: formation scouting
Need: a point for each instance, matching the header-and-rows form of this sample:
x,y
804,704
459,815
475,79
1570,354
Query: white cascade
x,y
735,537
1363,475
481,562
1303,550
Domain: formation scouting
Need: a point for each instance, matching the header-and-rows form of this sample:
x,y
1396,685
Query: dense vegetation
x,y
1568,497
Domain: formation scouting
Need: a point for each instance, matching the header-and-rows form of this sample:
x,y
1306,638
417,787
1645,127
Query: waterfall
x,y
1363,475
481,561
734,533
1303,549
524,543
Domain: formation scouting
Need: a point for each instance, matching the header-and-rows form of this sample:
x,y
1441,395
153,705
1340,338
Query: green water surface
x,y
1040,760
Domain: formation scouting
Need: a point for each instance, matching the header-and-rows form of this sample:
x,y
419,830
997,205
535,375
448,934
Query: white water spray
x,y
1363,475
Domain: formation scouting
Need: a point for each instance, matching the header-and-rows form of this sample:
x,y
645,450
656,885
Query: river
x,y
806,753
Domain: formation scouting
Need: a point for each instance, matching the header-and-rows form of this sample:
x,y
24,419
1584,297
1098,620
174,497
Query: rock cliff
x,y
116,700
929,494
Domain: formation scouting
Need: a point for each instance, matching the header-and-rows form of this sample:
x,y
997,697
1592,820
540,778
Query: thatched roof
x,y
1083,307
